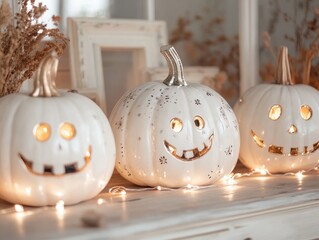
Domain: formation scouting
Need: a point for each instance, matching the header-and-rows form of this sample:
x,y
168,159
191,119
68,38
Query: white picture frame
x,y
248,44
88,36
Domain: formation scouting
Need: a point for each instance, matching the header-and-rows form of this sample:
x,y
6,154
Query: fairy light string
x,y
228,180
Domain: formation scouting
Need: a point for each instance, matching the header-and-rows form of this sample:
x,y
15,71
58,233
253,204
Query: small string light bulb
x,y
18,208
230,179
159,188
299,175
100,201
262,171
60,206
123,192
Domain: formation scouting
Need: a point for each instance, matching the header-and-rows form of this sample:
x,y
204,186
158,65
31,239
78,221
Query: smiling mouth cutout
x,y
294,151
192,154
60,170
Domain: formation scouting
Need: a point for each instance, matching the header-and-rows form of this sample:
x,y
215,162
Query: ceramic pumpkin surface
x,y
53,146
279,124
172,133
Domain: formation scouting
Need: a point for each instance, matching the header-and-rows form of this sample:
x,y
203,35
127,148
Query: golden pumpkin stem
x,y
44,82
283,75
176,73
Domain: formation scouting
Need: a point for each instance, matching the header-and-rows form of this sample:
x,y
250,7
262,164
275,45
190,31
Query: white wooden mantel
x,y
257,207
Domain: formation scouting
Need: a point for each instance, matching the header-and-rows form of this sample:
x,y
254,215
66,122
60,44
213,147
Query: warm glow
x,y
60,206
42,132
292,129
257,140
123,192
262,171
176,124
67,131
159,188
18,208
88,153
100,201
299,175
305,112
275,112
229,179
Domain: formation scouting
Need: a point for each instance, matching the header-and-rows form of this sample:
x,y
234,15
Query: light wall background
x,y
170,11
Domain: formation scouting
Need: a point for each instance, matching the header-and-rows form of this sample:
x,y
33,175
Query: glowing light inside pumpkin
x,y
67,131
42,132
18,208
88,152
176,124
292,129
275,112
258,140
305,112
199,122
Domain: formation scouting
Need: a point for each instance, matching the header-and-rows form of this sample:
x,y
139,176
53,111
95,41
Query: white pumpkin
x,y
172,133
53,147
279,124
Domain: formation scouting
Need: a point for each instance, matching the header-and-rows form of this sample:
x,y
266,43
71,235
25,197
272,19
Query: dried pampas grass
x,y
24,42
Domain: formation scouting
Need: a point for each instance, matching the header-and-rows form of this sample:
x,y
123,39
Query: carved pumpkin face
x,y
172,135
53,148
279,132
189,154
279,127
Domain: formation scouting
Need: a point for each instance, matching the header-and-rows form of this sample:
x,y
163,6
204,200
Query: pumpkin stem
x,y
44,82
283,70
176,74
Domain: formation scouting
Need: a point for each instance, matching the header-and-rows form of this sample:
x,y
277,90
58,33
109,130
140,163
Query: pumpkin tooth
x,y
305,150
179,152
189,154
207,143
201,147
59,169
37,168
80,163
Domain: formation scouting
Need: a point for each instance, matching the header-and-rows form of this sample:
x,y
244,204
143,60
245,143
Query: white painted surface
x,y
259,207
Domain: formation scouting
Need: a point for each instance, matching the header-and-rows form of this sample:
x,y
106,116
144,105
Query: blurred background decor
x,y
214,48
110,55
205,33
300,34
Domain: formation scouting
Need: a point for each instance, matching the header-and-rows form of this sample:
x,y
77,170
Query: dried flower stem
x,y
24,42
306,42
